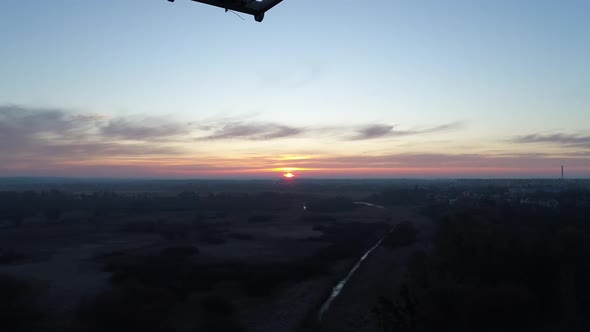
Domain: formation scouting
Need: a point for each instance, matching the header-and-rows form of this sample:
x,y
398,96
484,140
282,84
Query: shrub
x,y
19,308
218,315
126,308
241,236
139,227
179,252
259,218
402,235
173,231
217,305
10,257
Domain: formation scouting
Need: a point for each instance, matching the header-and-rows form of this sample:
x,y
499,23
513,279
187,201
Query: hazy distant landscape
x,y
294,166
265,255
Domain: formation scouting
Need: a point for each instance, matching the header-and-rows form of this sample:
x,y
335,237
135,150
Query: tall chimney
x,y
562,171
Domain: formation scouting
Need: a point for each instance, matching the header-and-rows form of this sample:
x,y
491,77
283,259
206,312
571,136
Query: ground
x,y
68,254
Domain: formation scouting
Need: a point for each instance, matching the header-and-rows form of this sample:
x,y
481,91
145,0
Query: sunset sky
x,y
321,88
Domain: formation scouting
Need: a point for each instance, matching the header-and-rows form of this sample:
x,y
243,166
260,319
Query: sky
x,y
326,89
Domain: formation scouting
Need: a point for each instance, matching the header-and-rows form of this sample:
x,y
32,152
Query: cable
x,y
238,15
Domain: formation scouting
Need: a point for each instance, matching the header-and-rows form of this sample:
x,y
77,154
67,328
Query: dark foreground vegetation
x,y
498,257
19,307
181,280
497,265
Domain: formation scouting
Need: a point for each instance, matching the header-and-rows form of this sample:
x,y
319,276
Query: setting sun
x,y
289,175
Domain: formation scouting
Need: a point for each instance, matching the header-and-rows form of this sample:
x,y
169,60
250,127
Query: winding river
x,y
338,288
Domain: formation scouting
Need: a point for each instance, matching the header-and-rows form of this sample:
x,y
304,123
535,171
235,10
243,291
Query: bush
x,y
217,305
179,252
259,218
173,231
402,235
126,308
53,214
517,271
218,315
19,308
241,236
139,227
211,234
330,204
214,240
10,257
318,218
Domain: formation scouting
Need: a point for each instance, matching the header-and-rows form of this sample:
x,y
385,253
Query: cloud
x,y
16,121
445,127
258,131
142,130
568,140
61,141
245,129
22,127
385,131
373,131
37,135
252,131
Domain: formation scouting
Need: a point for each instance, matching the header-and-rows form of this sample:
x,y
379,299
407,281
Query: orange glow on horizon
x,y
328,167
288,169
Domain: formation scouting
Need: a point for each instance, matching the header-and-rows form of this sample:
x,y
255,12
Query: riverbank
x,y
382,273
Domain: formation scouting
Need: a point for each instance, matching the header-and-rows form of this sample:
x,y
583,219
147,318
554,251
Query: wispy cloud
x,y
442,128
258,131
21,125
63,142
252,131
568,140
373,131
126,129
19,122
384,131
35,135
25,127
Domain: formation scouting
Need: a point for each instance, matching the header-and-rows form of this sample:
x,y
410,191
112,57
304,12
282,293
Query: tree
x,y
19,309
53,214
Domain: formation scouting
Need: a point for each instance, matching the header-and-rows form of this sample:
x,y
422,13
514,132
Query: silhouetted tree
x,y
19,307
53,214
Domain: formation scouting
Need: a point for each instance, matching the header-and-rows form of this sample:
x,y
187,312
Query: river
x,y
338,288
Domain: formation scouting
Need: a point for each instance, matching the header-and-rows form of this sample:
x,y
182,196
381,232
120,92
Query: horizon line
x,y
426,178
